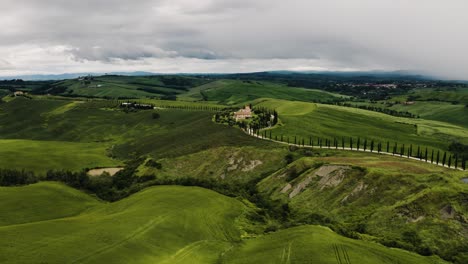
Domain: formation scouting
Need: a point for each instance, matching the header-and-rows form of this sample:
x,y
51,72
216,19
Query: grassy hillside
x,y
86,134
440,111
113,86
399,202
40,156
41,202
238,164
328,121
158,225
457,95
232,92
315,244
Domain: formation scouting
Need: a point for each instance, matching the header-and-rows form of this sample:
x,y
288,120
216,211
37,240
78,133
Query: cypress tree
x,y
310,141
463,162
336,143
320,143
444,158
432,156
438,156
302,141
342,142
358,144
295,140
270,134
410,151
372,145
402,150
419,153
351,143
365,144
449,161
276,137
388,146
425,155
395,148
456,161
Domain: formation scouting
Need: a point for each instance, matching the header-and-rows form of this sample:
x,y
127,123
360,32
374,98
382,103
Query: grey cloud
x,y
423,35
4,65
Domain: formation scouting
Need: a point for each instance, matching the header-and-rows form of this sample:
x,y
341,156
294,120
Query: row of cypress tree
x,y
396,149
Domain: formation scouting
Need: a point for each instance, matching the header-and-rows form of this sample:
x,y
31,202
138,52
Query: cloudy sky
x,y
170,36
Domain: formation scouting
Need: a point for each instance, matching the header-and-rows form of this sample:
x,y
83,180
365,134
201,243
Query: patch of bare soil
x,y
250,166
235,163
98,172
301,186
331,176
286,188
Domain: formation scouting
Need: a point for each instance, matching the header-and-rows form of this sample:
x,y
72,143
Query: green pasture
x,y
440,111
231,92
316,244
330,121
40,156
112,86
166,224
80,134
445,94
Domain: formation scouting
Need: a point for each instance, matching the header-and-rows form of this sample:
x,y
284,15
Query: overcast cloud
x,y
170,36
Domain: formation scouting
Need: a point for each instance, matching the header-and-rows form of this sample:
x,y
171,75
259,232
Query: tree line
x,y
452,160
380,109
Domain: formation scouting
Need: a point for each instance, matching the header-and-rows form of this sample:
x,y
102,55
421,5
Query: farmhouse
x,y
244,113
18,93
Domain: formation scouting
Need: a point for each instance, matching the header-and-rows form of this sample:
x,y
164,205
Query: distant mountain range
x,y
381,74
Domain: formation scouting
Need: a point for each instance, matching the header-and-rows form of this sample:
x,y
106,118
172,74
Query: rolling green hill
x,y
159,225
230,92
315,244
440,111
457,95
40,156
329,121
84,134
277,193
114,86
402,203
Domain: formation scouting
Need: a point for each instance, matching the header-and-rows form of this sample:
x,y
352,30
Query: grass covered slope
x,y
85,134
316,244
223,164
440,111
231,92
400,203
329,121
114,86
41,202
165,224
173,224
41,156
